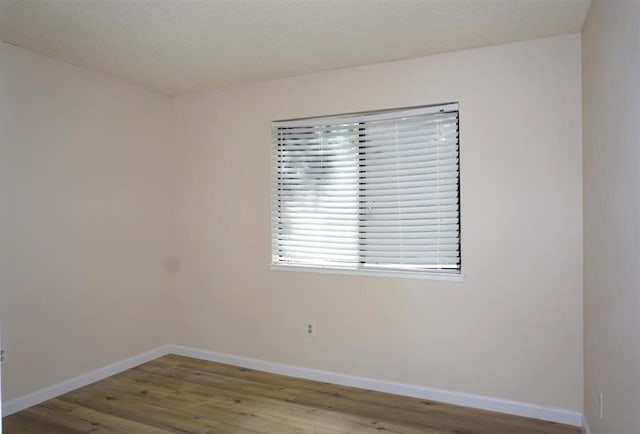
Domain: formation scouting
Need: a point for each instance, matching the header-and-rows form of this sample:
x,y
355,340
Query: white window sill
x,y
451,277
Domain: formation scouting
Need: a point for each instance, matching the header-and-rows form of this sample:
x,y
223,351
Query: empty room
x,y
320,216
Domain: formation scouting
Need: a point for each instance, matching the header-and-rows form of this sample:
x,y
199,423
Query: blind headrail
x,y
366,116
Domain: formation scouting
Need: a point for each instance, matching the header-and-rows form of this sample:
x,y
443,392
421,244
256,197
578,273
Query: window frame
x,y
440,275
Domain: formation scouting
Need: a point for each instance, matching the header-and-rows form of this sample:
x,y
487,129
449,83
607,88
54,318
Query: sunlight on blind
x,y
369,191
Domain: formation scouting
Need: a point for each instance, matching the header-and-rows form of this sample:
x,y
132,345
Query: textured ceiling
x,y
180,46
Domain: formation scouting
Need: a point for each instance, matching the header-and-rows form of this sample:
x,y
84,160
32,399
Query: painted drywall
x,y
125,226
3,188
512,329
611,110
85,171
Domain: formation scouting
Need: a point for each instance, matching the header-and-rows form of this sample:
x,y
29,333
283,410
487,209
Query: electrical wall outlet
x,y
310,328
601,404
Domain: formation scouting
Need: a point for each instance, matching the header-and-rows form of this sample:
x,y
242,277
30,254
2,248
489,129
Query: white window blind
x,y
369,191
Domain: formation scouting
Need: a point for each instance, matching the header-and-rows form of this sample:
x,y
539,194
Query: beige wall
x,y
611,110
89,221
85,175
512,329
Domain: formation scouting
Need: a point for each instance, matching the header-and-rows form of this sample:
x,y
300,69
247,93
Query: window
x,y
377,192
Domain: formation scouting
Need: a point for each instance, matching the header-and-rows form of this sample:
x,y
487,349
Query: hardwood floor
x,y
176,394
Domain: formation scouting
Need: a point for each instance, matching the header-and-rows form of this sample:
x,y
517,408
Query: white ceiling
x,y
180,46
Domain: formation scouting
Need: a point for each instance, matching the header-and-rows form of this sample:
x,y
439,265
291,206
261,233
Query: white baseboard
x,y
457,398
568,417
585,425
50,392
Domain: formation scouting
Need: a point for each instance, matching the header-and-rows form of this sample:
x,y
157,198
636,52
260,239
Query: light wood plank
x,y
175,394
